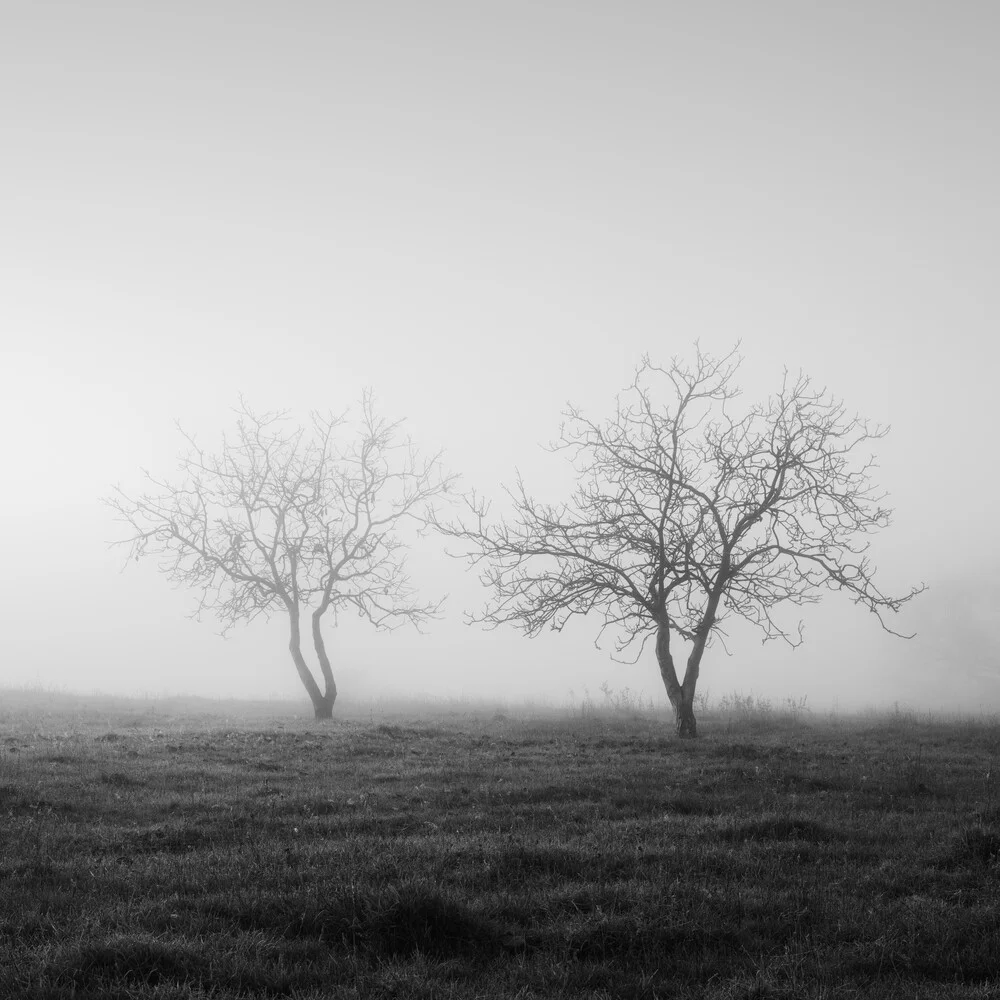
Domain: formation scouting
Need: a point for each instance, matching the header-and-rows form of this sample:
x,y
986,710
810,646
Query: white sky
x,y
483,210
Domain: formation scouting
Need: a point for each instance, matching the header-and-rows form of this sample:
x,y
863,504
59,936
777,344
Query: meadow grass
x,y
169,850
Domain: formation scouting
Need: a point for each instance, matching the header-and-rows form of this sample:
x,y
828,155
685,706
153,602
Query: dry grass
x,y
173,853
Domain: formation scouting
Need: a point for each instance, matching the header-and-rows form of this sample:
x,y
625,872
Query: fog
x,y
483,212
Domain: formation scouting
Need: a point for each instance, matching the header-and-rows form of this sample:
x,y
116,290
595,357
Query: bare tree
x,y
686,513
293,520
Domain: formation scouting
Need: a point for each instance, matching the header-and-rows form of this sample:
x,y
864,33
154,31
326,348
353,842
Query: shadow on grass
x,y
16,801
172,838
780,828
133,961
620,940
936,942
971,847
389,923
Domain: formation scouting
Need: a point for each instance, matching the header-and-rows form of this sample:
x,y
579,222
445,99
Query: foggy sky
x,y
483,211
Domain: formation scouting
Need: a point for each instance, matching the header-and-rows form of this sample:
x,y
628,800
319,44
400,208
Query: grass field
x,y
150,850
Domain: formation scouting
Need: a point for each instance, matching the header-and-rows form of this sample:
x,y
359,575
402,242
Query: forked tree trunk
x,y
681,695
326,710
323,709
322,701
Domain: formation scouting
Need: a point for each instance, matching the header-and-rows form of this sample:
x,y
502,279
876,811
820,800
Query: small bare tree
x,y
294,520
686,513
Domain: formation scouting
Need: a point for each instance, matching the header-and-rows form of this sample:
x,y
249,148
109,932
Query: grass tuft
x,y
130,960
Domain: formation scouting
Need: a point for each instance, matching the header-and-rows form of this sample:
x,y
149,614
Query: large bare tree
x,y
300,520
686,512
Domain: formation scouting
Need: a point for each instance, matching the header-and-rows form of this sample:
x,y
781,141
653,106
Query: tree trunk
x,y
681,695
323,709
322,702
330,695
687,726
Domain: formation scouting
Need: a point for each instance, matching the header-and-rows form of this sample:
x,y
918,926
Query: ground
x,y
149,850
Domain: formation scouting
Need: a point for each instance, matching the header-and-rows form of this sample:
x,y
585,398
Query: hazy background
x,y
483,210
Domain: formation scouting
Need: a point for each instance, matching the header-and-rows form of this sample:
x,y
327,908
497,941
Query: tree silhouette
x,y
297,520
686,512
